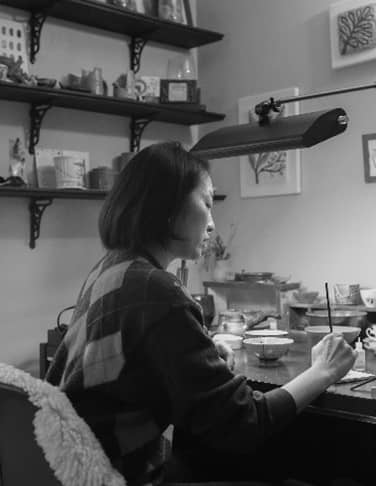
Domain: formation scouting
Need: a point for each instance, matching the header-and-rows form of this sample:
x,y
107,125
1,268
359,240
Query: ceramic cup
x,y
371,332
347,293
70,172
3,72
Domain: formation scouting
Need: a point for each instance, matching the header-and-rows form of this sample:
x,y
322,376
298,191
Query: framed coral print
x,y
352,32
269,173
369,157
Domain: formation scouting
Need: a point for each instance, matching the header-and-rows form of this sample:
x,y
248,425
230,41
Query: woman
x,y
136,357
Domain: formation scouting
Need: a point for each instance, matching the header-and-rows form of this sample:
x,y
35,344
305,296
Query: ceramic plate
x,y
266,333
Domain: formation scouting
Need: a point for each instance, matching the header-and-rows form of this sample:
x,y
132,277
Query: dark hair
x,y
147,196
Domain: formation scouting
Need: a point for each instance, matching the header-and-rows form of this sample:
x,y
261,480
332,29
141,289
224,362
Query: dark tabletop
x,y
339,399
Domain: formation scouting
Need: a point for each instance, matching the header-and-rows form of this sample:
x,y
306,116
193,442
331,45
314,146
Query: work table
x,y
338,400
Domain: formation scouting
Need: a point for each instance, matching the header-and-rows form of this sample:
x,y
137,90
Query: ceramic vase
x,y
221,270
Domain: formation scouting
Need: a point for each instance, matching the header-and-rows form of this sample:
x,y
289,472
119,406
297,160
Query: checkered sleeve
x,y
207,399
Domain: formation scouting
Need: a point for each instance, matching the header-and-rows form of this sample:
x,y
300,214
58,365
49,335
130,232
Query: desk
x,y
338,400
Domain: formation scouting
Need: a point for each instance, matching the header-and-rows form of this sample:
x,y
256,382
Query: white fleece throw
x,y
69,446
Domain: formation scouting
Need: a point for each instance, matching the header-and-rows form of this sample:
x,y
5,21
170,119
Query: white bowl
x,y
234,341
265,333
316,333
368,297
268,348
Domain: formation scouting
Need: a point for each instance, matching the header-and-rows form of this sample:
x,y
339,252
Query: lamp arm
x,y
325,93
264,108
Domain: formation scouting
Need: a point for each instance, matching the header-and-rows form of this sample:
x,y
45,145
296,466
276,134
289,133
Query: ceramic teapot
x,y
232,321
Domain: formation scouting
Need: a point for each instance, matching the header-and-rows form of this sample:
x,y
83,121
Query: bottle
x,y
360,362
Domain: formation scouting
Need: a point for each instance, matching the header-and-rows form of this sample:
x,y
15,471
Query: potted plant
x,y
216,255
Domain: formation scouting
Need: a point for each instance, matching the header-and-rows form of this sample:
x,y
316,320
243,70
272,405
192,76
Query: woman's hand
x,y
332,358
226,353
333,355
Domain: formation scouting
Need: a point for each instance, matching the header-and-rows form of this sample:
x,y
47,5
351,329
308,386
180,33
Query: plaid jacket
x,y
136,359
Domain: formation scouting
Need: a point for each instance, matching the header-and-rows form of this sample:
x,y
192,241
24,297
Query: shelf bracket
x,y
136,45
36,22
137,126
36,209
37,113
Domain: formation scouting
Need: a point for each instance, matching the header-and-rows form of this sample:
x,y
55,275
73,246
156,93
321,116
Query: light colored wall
x,y
36,284
326,233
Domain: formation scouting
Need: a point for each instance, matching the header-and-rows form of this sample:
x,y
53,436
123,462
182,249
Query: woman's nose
x,y
211,227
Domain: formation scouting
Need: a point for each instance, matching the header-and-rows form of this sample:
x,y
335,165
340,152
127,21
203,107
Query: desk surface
x,y
338,400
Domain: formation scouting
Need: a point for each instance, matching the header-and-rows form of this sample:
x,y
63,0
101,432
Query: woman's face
x,y
194,222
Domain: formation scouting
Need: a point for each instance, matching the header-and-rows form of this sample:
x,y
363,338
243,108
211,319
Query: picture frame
x,y
352,32
178,91
149,7
13,43
269,173
369,156
188,12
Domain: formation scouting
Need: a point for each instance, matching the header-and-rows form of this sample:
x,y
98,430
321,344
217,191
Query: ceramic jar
x,y
221,270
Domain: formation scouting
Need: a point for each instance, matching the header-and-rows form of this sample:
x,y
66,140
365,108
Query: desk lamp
x,y
282,133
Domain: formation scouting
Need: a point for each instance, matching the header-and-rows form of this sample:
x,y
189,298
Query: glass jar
x,y
171,10
182,66
129,4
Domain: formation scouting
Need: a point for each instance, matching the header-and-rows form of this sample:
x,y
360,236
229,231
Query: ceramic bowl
x,y
316,333
268,348
368,297
305,297
235,342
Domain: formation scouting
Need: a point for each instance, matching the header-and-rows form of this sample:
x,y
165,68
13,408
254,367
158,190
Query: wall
x,y
327,232
36,284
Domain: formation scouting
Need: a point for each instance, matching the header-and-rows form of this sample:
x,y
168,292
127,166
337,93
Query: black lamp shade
x,y
290,132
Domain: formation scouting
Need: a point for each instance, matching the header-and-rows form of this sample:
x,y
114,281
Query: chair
x,y
43,441
21,457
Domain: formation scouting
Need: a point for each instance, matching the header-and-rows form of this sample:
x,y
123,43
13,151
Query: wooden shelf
x,y
40,199
64,98
37,193
234,284
121,21
323,307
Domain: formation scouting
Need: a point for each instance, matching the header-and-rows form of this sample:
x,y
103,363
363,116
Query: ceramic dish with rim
x,y
268,348
351,317
265,333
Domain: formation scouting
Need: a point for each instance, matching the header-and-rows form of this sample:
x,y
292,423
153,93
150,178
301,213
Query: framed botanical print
x,y
369,156
269,173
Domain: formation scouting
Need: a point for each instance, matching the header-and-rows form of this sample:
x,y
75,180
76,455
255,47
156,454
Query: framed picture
x,y
178,91
369,156
187,12
149,7
13,42
352,32
269,173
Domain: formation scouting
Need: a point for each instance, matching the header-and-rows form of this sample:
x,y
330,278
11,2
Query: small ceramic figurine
x,y
17,159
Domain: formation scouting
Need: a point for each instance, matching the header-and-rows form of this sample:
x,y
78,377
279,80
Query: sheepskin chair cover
x,y
69,445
